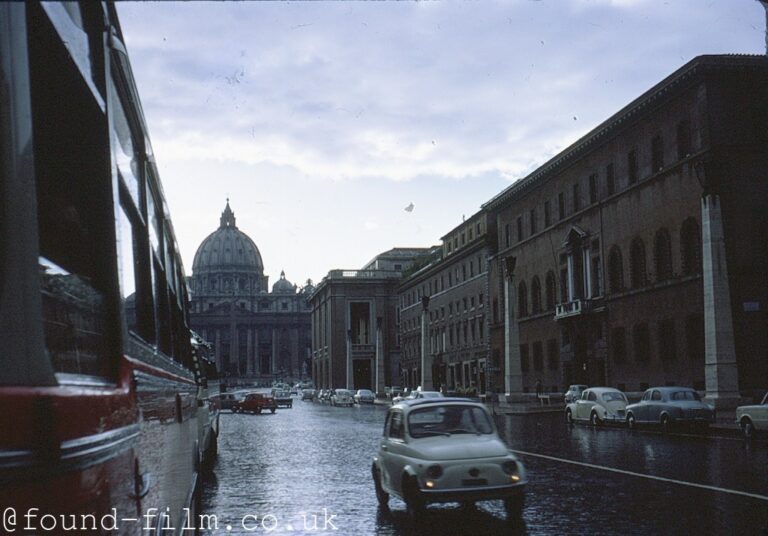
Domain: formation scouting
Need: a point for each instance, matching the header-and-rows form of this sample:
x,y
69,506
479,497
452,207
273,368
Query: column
x,y
513,380
720,367
348,379
274,352
257,358
587,274
570,277
249,352
426,359
378,385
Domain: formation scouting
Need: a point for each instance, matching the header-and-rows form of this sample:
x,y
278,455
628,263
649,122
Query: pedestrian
x,y
538,389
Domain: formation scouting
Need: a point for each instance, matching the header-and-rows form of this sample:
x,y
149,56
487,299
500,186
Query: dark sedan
x,y
666,406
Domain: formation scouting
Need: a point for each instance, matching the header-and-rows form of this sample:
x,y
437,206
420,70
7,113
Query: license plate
x,y
474,482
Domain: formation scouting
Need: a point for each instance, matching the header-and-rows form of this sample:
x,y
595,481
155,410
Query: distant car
x,y
666,406
598,405
342,397
364,396
282,398
416,395
255,403
574,393
753,418
324,395
307,394
225,401
445,450
393,391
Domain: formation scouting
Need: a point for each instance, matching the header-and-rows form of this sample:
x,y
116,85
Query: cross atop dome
x,y
227,218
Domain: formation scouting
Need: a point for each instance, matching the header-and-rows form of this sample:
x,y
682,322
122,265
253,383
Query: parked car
x,y
669,405
225,401
574,393
255,403
324,395
364,396
342,397
445,450
753,418
598,405
282,398
307,394
417,394
393,391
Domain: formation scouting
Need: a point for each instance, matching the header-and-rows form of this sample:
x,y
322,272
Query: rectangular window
x,y
524,364
576,198
694,337
506,235
683,139
553,354
632,166
533,221
642,343
547,214
593,188
610,179
619,344
538,356
519,228
667,340
657,153
561,205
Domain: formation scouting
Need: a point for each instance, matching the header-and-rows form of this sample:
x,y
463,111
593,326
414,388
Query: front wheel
x,y
631,423
381,496
258,410
514,507
594,419
413,503
747,429
272,410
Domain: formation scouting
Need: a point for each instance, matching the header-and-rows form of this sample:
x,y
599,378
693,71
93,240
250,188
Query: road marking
x,y
641,475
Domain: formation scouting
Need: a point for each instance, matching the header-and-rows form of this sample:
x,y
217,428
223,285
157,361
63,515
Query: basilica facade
x,y
256,333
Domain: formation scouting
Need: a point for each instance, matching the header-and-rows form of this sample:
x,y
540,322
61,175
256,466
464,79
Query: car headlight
x,y
434,471
509,467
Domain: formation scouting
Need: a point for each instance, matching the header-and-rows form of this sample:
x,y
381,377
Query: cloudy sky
x,y
322,121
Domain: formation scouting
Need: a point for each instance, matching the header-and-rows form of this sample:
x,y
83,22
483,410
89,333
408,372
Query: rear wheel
x,y
664,421
258,410
514,507
747,428
381,496
272,410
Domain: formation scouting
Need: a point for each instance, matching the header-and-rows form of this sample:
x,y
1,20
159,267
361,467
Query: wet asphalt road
x,y
306,470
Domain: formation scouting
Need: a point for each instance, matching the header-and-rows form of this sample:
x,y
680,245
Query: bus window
x,y
74,208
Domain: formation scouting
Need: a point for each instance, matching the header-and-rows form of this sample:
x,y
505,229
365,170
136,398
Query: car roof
x,y
407,404
603,390
668,388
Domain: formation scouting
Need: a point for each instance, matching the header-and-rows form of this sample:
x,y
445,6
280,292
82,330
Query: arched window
x,y
551,290
535,295
638,275
690,247
662,254
615,270
522,300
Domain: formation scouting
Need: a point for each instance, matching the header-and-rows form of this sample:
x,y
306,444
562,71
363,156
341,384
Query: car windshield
x,y
343,392
685,395
446,420
430,394
365,392
613,396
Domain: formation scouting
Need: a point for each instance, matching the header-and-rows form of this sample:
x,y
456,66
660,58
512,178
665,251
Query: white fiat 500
x,y
445,450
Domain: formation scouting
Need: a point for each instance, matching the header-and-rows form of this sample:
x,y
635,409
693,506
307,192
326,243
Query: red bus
x,y
104,414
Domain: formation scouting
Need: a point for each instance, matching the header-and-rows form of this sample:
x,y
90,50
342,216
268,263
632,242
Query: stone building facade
x,y
355,322
638,255
256,334
448,300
